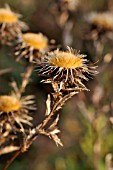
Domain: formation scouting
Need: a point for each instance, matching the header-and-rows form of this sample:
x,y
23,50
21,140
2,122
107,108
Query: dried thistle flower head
x,y
61,10
15,109
66,5
101,20
31,46
7,16
100,24
9,104
10,25
38,41
71,4
68,69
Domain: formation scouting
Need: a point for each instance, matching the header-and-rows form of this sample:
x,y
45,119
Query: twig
x,y
26,76
11,160
4,71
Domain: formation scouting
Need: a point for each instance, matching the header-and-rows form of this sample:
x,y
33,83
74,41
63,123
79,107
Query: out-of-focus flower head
x,y
61,10
101,23
10,25
67,69
68,4
31,46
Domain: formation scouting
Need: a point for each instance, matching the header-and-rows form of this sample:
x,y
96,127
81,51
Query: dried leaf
x,y
56,139
8,149
48,106
54,124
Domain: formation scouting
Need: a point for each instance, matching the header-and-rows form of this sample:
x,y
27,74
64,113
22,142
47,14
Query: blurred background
x,y
86,119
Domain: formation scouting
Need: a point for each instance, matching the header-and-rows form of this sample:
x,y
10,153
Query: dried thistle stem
x,y
11,160
26,76
4,71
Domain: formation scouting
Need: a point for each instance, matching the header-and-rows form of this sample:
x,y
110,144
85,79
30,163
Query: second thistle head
x,y
31,46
